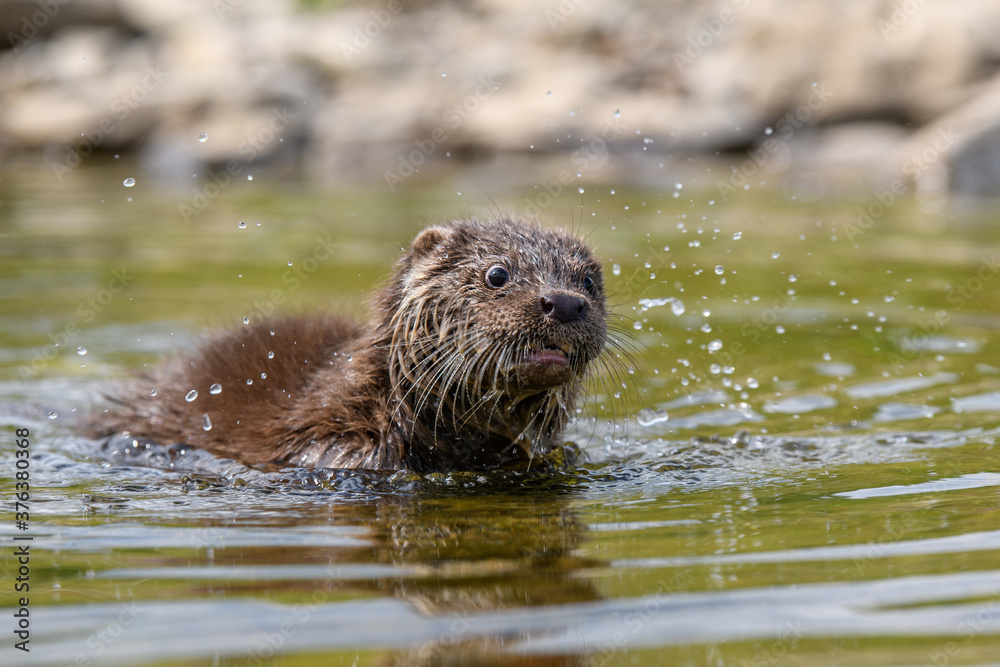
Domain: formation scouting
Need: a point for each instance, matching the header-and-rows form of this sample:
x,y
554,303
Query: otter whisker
x,y
433,364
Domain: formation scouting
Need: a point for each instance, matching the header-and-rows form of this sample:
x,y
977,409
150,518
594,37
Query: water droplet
x,y
637,325
263,376
752,383
706,327
617,113
191,395
246,320
52,415
128,182
203,137
719,270
81,350
792,278
616,269
775,255
250,382
580,190
215,389
242,224
270,354
348,357
249,177
737,236
152,392
206,423
677,307
715,345
548,93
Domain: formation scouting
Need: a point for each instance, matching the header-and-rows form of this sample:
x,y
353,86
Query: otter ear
x,y
428,239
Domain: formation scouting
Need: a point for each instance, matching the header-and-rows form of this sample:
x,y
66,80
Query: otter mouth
x,y
550,355
543,368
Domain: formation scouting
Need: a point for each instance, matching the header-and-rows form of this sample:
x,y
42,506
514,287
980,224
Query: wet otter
x,y
474,358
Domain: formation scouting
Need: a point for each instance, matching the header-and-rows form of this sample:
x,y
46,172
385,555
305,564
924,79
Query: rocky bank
x,y
810,93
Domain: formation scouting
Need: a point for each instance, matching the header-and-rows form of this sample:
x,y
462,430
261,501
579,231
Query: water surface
x,y
802,469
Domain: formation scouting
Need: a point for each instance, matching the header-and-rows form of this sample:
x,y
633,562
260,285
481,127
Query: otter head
x,y
481,315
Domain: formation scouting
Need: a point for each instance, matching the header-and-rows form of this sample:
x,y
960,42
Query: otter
x,y
474,358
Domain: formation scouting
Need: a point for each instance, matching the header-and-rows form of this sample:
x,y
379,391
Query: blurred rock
x,y
385,90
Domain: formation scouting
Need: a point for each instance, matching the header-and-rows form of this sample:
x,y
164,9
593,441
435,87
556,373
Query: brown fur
x,y
441,378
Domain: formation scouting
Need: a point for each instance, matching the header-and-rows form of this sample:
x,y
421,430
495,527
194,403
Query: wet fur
x,y
436,381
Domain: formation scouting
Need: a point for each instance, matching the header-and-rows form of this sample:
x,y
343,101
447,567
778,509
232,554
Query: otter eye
x,y
589,285
497,277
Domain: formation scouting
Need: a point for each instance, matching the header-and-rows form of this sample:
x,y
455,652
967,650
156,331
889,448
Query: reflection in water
x,y
510,555
463,563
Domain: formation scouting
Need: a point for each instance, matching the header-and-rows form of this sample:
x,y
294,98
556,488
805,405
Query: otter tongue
x,y
548,356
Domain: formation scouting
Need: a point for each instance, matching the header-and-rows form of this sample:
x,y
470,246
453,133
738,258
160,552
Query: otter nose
x,y
563,307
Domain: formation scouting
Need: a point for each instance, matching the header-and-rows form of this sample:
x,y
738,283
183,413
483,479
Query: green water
x,y
802,469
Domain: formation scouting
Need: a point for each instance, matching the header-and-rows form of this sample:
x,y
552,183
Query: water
x,y
803,470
